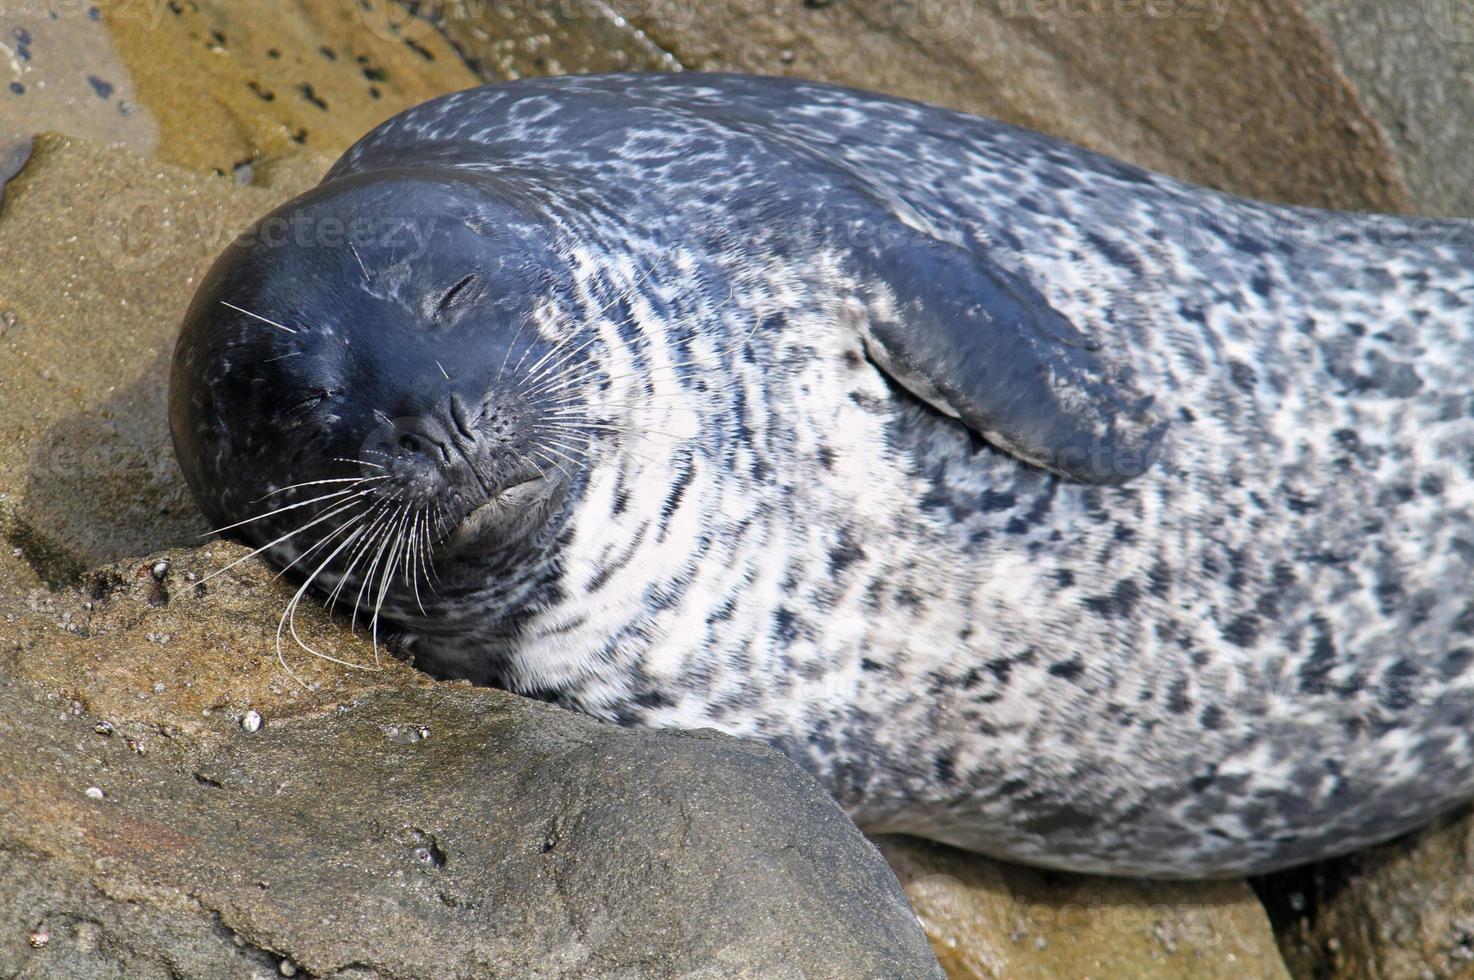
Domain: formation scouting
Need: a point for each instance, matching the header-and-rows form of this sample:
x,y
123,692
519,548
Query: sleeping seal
x,y
1033,502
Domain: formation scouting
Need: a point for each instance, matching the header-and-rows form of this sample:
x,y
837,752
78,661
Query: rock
x,y
93,935
504,841
502,41
1242,96
1400,911
1412,64
65,76
382,825
281,74
103,250
993,921
16,577
189,654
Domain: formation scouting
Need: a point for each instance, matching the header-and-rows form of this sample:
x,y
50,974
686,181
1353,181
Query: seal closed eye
x,y
447,302
658,397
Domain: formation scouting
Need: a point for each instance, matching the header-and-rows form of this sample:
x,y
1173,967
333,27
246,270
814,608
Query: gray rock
x,y
84,933
1414,66
444,832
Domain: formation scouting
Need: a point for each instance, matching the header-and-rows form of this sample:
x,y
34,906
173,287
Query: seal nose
x,y
420,439
440,449
444,449
460,417
423,443
417,452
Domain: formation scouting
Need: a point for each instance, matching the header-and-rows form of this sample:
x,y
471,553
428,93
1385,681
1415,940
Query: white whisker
x,y
258,317
281,510
291,534
354,249
289,620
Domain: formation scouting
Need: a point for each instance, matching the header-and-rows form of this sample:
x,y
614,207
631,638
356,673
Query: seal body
x,y
1033,502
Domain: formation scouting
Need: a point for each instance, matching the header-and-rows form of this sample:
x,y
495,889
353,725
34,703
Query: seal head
x,y
315,404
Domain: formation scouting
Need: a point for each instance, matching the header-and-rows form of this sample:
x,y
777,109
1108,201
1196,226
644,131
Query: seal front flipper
x,y
980,344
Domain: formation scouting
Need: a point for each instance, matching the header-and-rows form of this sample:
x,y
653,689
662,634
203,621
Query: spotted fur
x,y
1255,654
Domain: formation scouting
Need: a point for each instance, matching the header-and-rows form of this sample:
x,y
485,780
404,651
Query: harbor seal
x,y
1033,502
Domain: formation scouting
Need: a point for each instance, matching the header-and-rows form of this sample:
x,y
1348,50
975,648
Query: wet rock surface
x,y
231,88
217,87
182,806
65,70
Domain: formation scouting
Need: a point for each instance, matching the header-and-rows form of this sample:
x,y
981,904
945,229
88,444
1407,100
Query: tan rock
x,y
520,40
992,921
1412,62
16,577
231,83
164,643
65,76
103,250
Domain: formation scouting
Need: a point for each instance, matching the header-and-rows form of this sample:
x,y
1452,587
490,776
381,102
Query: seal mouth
x,y
499,513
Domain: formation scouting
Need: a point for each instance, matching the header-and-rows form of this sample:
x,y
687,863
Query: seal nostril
x,y
423,444
459,416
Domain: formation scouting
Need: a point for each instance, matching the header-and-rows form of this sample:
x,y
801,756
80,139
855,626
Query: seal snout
x,y
451,457
428,457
